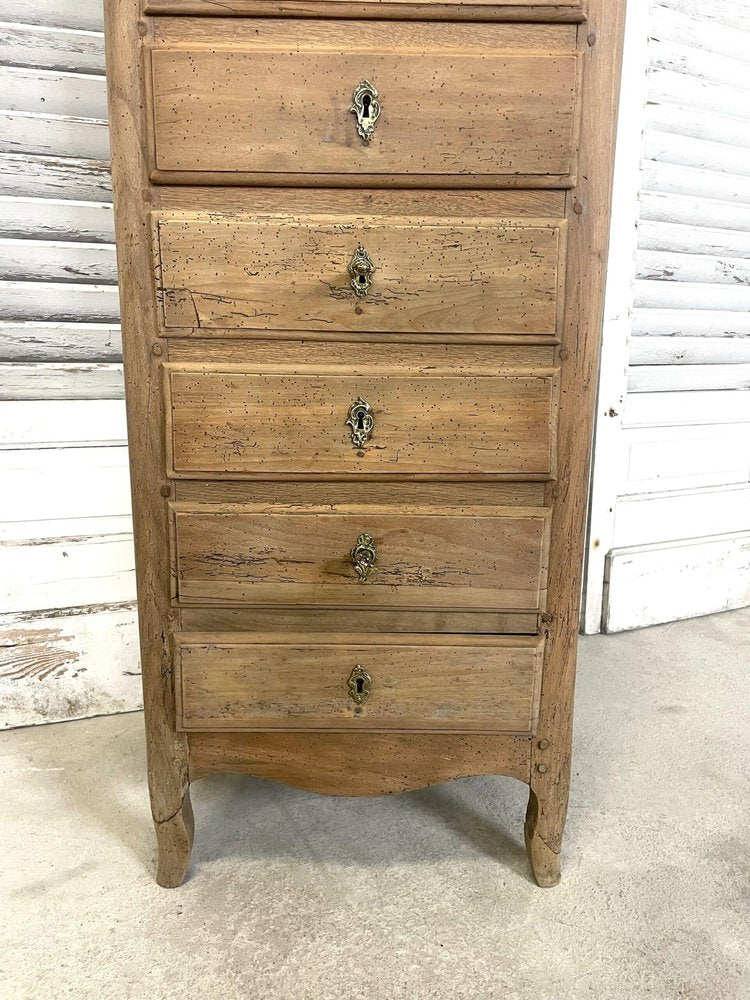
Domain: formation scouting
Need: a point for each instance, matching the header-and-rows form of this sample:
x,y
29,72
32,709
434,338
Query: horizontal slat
x,y
26,176
662,265
697,123
660,583
664,409
67,572
671,178
50,92
680,458
689,350
54,135
699,33
41,218
51,48
54,483
69,665
85,14
65,527
672,378
50,260
51,381
60,422
689,295
677,88
686,151
59,301
694,62
665,517
732,13
695,211
29,341
687,239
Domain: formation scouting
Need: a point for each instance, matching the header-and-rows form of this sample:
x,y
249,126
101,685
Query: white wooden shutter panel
x,y
68,644
676,541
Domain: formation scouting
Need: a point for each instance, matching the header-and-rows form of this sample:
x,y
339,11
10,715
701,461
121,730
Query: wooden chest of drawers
x,y
361,254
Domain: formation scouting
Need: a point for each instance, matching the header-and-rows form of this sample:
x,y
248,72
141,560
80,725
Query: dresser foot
x,y
545,862
174,837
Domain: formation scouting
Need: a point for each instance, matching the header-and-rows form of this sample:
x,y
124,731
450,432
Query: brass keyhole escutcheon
x,y
364,556
361,421
366,106
361,269
359,684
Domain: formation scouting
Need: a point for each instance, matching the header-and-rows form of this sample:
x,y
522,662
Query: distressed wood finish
x,y
286,272
231,423
451,10
484,325
433,683
248,98
426,558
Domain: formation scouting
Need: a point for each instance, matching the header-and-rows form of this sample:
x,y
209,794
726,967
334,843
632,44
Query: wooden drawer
x,y
231,681
268,101
432,274
485,559
224,422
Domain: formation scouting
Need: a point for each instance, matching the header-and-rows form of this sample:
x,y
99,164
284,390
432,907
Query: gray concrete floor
x,y
297,896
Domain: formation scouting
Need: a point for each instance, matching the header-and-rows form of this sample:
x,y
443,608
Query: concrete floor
x,y
424,895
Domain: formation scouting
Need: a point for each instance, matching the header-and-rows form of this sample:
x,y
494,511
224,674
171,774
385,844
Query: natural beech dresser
x,y
361,249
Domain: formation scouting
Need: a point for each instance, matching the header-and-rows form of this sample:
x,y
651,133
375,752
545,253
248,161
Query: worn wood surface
x,y
231,423
286,272
322,762
167,750
263,682
587,253
436,84
426,557
452,10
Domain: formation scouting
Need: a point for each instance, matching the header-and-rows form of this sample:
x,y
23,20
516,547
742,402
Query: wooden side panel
x,y
266,97
270,683
424,559
237,424
431,274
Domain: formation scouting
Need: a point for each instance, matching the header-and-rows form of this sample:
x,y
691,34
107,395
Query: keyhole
x,y
360,686
366,99
360,416
362,279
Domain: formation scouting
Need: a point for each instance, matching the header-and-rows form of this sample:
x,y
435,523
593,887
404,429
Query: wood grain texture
x,y
202,618
386,762
166,749
435,683
451,10
232,423
587,253
492,559
264,97
286,272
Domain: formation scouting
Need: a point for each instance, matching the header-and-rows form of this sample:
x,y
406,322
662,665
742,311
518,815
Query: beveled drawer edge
x,y
564,12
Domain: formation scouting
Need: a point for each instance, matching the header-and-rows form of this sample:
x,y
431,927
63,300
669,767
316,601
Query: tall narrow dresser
x,y
361,247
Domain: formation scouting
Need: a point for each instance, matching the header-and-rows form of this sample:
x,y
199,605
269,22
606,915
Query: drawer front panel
x,y
431,275
479,561
262,98
293,682
235,424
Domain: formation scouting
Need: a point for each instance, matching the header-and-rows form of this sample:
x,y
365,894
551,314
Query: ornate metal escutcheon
x,y
361,421
359,684
361,269
366,107
364,556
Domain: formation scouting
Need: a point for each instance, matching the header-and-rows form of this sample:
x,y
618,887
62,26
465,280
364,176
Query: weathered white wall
x,y
670,518
68,644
